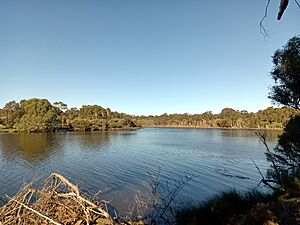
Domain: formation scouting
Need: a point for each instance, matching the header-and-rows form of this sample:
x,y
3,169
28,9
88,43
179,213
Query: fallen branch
x,y
36,212
57,202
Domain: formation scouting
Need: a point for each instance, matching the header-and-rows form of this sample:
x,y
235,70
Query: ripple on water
x,y
118,163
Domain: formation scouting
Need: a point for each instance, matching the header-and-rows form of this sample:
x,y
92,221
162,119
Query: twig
x,y
67,182
104,213
263,180
258,169
263,30
298,4
36,212
170,198
270,155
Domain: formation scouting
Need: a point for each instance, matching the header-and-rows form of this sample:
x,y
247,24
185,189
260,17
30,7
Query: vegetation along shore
x,y
39,115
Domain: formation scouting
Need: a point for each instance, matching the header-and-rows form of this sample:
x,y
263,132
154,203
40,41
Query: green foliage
x,y
225,208
289,188
39,116
286,91
94,117
80,124
118,123
62,106
287,152
249,208
115,123
270,118
68,116
11,114
99,124
286,74
93,112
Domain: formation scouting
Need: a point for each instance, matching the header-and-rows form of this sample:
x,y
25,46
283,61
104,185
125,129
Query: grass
x,y
252,208
225,208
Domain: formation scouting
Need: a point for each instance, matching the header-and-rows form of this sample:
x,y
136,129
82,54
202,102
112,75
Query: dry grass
x,y
57,202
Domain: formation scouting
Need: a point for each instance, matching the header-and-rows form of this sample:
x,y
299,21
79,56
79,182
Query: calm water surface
x,y
118,162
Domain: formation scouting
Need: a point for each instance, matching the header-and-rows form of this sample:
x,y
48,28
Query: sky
x,y
141,57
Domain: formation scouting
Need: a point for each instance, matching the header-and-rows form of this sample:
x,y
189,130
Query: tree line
x,y
270,118
39,115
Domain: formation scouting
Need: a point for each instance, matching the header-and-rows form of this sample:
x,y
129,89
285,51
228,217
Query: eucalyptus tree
x,y
286,74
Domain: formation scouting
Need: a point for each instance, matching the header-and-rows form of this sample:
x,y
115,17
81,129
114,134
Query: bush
x,y
225,208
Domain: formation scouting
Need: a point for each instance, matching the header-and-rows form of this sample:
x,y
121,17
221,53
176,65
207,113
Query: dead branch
x,y
263,180
270,155
298,4
25,206
262,28
57,202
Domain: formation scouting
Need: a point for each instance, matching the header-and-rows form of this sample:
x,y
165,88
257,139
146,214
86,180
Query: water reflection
x,y
271,135
30,147
94,141
123,133
36,147
121,160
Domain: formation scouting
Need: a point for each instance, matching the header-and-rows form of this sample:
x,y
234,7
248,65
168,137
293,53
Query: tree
x,y
39,116
92,112
286,91
62,106
286,75
12,113
69,115
287,152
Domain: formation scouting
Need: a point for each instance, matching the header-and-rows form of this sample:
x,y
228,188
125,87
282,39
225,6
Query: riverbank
x,y
138,128
281,206
39,115
220,128
242,209
68,130
4,130
59,202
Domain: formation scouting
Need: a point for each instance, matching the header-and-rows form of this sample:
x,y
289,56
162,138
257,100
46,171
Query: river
x,y
119,162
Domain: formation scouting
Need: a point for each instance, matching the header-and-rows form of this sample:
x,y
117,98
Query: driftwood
x,y
57,202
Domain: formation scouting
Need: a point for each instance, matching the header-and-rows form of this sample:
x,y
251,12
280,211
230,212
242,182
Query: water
x,y
118,163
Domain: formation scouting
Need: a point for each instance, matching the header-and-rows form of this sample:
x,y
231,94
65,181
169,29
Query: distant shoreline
x,y
67,131
137,128
219,128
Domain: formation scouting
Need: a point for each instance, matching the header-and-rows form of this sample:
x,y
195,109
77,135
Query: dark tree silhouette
x,y
286,75
282,8
286,91
287,152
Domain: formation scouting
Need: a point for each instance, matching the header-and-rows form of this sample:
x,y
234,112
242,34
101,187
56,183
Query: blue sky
x,y
141,56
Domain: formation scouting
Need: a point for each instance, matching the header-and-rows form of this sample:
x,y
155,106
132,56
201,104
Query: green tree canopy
x,y
286,75
286,91
11,112
39,115
92,112
288,149
62,106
